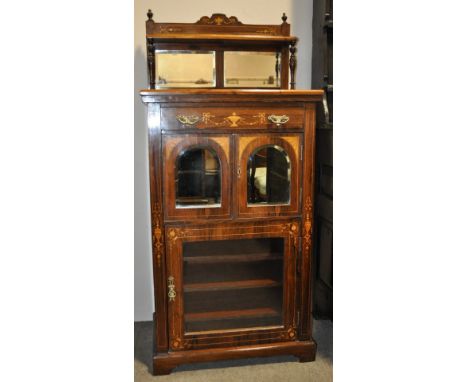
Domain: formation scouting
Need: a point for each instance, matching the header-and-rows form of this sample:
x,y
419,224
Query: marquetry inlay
x,y
293,141
218,19
163,29
233,120
158,234
308,224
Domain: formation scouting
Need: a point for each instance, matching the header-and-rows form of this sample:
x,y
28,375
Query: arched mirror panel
x,y
268,176
198,178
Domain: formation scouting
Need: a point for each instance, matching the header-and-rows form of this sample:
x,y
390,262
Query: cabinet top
x,y
218,51
239,95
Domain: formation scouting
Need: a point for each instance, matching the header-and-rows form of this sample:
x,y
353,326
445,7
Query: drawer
x,y
232,117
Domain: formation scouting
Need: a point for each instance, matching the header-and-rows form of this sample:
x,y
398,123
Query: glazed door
x,y
268,174
196,176
232,285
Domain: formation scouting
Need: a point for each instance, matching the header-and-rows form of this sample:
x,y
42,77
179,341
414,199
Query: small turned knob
x,y
149,14
284,17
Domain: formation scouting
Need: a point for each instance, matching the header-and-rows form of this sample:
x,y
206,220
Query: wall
x,y
299,14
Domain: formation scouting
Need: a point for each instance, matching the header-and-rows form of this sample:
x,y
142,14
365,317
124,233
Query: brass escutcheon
x,y
171,286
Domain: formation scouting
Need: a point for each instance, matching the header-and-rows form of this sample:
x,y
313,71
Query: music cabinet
x,y
231,158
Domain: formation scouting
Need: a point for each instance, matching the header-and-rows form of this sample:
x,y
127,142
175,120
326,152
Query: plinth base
x,y
164,363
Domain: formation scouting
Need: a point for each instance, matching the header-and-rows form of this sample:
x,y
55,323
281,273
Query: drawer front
x,y
173,118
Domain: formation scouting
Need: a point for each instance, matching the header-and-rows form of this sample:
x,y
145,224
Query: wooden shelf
x,y
218,36
206,172
232,314
233,258
227,285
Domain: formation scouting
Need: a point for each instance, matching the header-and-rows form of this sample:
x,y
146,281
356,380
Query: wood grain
x,y
217,24
215,37
242,118
164,363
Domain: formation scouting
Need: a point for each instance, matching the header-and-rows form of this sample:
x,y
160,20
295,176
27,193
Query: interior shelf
x,y
255,257
231,314
227,285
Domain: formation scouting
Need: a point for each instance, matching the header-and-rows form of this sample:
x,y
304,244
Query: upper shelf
x,y
218,37
236,55
217,24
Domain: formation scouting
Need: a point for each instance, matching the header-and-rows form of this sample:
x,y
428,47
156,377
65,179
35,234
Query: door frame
x,y
173,145
292,143
176,235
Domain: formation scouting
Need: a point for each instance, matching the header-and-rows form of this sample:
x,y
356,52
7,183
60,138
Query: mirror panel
x,y
268,176
198,179
185,69
252,69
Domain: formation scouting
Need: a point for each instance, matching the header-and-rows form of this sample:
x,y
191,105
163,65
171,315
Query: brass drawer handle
x,y
278,120
171,286
188,119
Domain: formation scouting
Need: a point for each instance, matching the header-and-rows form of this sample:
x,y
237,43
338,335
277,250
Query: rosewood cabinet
x,y
232,221
231,181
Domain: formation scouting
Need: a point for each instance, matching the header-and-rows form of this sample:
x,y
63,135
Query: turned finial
x,y
150,14
284,17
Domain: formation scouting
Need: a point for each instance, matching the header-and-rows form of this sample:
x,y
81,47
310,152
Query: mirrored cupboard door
x,y
268,174
196,176
227,281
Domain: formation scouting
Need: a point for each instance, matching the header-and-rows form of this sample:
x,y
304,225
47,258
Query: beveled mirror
x,y
252,69
198,179
185,69
268,176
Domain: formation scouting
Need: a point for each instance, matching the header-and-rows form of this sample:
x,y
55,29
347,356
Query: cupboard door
x,y
268,174
232,284
196,176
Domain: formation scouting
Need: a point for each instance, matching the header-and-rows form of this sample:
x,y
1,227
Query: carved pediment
x,y
219,19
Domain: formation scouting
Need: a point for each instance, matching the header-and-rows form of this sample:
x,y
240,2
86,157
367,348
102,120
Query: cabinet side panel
x,y
307,226
157,226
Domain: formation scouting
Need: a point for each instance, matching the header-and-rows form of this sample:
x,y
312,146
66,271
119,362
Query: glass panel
x,y
233,284
185,69
268,176
252,69
198,179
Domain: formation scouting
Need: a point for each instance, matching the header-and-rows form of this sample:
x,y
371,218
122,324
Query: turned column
x,y
293,63
150,46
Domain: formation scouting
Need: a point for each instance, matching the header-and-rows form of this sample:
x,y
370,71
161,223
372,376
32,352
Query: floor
x,y
272,369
